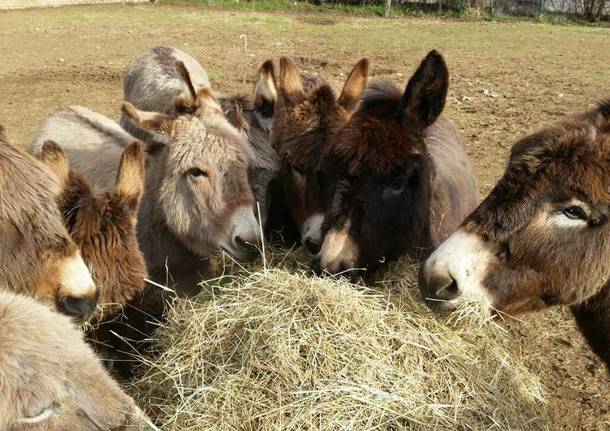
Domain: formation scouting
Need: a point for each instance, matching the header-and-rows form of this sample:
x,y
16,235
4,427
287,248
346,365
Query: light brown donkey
x,y
50,380
37,255
103,225
154,80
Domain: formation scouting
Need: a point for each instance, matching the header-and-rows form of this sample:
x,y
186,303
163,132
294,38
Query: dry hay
x,y
279,350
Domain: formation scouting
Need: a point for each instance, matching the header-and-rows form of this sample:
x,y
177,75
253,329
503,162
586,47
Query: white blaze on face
x,y
338,248
312,228
75,278
463,257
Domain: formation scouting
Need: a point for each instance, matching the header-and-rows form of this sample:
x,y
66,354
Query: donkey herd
x,y
96,208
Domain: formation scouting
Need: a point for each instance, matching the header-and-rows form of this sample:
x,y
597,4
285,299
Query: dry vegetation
x,y
506,80
274,349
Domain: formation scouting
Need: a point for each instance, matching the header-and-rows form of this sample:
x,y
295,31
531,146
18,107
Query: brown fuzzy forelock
x,y
305,125
376,136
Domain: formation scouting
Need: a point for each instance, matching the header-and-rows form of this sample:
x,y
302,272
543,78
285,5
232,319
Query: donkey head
x,y
200,175
541,236
103,225
38,256
308,112
379,169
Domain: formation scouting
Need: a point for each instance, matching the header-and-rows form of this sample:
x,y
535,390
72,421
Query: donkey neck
x,y
593,319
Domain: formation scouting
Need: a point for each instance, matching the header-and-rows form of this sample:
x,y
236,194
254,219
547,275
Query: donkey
x,y
196,195
50,379
542,236
154,80
400,178
103,225
252,115
37,255
307,113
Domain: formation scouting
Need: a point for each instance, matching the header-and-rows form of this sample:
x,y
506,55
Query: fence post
x,y
388,5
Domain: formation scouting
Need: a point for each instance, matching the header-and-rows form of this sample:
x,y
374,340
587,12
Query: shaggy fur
x,y
546,265
35,243
153,82
545,226
103,225
400,176
182,218
50,379
307,113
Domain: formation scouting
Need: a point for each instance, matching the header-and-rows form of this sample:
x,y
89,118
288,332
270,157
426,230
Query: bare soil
x,y
506,79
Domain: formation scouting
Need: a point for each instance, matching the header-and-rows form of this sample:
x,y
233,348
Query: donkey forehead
x,y
375,144
197,143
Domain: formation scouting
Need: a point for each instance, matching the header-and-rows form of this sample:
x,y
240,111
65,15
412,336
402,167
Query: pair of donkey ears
x,y
129,183
291,82
421,103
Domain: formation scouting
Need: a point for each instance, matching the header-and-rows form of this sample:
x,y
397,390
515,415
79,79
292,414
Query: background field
x,y
506,80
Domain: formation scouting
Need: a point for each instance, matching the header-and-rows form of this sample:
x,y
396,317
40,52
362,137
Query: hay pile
x,y
275,350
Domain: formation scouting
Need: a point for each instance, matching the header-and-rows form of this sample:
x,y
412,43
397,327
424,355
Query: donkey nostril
x,y
242,243
448,291
311,246
76,307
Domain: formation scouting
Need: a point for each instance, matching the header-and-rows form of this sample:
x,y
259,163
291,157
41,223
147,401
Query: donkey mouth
x,y
246,253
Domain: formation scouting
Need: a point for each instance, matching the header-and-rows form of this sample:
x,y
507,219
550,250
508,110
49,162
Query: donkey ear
x,y
354,85
208,103
129,184
146,120
424,97
186,77
265,89
290,77
55,158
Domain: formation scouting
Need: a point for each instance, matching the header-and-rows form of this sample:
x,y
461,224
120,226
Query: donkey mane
x,y
121,136
604,107
581,138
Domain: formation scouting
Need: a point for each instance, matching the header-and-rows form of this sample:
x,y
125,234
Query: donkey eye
x,y
196,172
575,213
397,185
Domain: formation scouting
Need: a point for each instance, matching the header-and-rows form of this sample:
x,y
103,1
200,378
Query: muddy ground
x,y
506,79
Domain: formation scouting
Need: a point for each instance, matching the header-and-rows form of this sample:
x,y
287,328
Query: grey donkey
x,y
153,81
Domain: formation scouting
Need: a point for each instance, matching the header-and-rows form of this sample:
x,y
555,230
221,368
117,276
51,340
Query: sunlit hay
x,y
278,350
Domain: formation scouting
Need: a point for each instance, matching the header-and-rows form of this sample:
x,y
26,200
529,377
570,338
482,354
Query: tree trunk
x,y
388,5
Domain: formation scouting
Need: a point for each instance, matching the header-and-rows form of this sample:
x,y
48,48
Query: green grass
x,y
402,10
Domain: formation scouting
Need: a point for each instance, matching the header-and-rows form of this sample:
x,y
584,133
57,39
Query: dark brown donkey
x,y
307,112
399,175
542,236
37,255
103,225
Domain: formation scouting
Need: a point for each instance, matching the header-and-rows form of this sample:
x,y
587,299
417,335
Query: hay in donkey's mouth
x,y
281,351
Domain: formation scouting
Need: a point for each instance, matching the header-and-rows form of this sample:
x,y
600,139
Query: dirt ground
x,y
506,79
